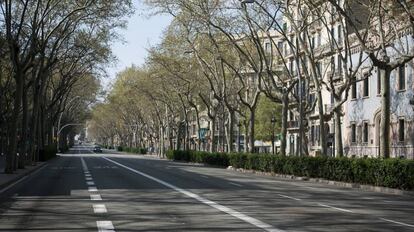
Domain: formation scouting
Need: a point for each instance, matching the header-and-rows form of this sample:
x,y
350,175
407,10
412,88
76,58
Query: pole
x,y
60,119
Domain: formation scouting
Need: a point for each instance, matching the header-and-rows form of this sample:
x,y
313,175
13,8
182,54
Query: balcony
x,y
293,125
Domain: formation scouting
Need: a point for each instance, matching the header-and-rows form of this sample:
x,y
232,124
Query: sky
x,y
142,32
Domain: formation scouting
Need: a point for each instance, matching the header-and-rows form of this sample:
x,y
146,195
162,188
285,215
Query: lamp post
x,y
60,119
273,121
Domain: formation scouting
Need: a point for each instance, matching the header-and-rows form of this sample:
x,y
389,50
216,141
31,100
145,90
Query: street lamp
x,y
273,121
60,119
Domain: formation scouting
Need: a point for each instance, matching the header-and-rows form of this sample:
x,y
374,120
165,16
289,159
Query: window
x,y
311,98
280,46
401,130
378,81
333,64
353,133
291,116
313,135
366,86
366,132
285,27
354,90
319,39
317,134
339,65
319,69
268,47
313,42
401,77
339,34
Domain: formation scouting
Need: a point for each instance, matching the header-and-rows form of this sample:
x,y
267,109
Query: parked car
x,y
97,149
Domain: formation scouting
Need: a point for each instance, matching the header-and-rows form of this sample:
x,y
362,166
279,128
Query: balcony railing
x,y
406,152
293,124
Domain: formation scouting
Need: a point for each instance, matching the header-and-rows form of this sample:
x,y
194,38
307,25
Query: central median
x,y
391,173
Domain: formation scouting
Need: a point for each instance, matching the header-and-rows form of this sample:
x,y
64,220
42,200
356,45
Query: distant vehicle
x,y
97,149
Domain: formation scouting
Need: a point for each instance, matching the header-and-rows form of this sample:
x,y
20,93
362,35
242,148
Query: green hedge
x,y
393,173
135,150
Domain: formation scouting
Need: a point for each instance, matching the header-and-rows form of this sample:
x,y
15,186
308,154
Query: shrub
x,y
48,152
393,173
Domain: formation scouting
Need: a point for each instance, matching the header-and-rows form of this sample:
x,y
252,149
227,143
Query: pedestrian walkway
x,y
2,162
7,179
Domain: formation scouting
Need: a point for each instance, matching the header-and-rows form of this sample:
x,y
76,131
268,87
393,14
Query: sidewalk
x,y
8,179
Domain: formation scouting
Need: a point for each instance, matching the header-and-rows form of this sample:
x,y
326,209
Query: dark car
x,y
97,149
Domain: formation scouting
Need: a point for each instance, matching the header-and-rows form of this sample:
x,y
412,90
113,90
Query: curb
x,y
371,188
10,182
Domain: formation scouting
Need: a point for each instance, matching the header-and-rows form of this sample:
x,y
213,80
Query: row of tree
x,y
52,55
218,59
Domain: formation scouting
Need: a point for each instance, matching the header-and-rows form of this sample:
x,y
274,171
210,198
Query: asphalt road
x,y
83,191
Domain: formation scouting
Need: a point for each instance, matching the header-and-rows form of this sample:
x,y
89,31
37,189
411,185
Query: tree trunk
x,y
322,125
213,136
23,147
12,148
178,137
246,136
251,129
339,147
230,136
162,152
385,114
285,112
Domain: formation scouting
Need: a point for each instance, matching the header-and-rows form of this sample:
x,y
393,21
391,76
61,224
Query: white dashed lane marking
x,y
105,226
293,198
99,208
92,189
336,208
96,197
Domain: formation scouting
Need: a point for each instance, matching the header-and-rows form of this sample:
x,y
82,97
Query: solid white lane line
x,y
99,208
234,213
105,226
92,189
293,198
90,183
396,222
96,197
340,209
235,184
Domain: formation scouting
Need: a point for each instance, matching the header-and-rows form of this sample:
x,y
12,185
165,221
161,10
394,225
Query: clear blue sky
x,y
142,32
